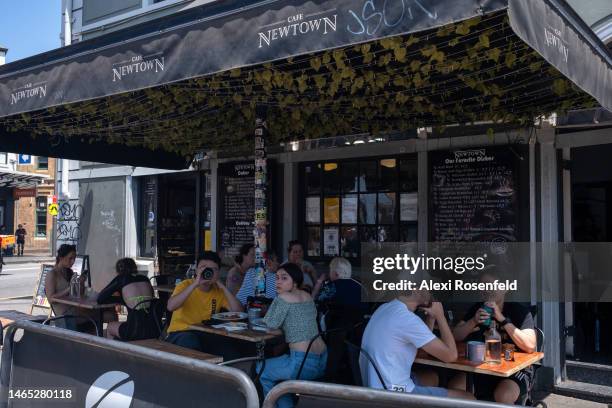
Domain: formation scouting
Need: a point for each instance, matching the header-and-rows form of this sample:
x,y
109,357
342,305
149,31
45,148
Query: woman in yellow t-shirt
x,y
194,300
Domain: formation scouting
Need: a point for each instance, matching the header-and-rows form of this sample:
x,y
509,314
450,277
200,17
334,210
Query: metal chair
x,y
156,308
354,352
75,317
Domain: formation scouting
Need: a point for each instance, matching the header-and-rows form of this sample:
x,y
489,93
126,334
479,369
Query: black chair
x,y
145,319
354,353
342,323
76,318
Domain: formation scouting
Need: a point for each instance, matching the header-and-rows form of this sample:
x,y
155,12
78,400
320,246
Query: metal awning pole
x,y
261,208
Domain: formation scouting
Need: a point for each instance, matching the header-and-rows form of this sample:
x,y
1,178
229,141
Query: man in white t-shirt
x,y
393,336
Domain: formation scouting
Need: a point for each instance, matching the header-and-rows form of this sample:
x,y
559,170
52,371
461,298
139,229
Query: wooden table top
x,y
83,303
169,288
505,369
253,336
174,349
11,316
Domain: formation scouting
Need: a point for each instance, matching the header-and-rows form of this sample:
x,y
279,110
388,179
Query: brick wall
x,y
25,208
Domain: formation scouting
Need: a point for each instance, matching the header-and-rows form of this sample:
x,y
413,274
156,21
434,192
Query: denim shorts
x,y
432,391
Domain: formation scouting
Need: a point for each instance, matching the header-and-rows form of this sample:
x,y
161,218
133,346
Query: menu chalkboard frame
x,y
39,299
227,170
519,154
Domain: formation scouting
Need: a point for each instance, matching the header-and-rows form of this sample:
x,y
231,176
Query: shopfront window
x,y
353,201
43,163
41,217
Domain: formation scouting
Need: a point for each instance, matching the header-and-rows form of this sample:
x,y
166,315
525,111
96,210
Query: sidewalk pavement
x,y
29,258
562,401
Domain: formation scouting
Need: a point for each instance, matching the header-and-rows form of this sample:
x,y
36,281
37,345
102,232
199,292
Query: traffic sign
x,y
53,209
25,159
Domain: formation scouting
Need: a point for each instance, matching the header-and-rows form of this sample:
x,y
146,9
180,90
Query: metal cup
x,y
475,351
253,313
508,350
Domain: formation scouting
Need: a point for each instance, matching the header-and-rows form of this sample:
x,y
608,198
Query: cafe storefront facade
x,y
377,81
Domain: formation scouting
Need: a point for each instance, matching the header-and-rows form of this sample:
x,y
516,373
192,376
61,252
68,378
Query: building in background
x,y
31,204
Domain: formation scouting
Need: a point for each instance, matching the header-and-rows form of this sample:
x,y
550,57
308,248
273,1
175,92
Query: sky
x,y
29,27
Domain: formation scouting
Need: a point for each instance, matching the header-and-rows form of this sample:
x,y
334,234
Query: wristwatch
x,y
505,322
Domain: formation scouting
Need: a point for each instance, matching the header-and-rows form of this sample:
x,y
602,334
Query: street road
x,y
16,281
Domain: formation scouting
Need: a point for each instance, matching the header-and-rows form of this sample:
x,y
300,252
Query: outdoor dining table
x,y
252,336
88,303
504,370
259,338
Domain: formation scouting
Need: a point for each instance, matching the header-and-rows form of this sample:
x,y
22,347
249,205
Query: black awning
x,y
322,67
249,35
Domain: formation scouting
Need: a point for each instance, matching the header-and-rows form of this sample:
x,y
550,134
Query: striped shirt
x,y
248,286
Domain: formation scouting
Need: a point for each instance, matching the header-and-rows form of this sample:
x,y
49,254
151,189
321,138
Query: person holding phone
x,y
516,326
197,299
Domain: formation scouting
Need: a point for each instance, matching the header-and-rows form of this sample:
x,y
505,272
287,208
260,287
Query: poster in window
x,y
367,208
331,210
331,245
349,210
408,207
313,210
350,242
314,241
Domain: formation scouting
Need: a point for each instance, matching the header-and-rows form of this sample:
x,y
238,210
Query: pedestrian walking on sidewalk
x,y
20,236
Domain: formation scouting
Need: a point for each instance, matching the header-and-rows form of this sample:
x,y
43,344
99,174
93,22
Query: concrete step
x,y
583,390
589,372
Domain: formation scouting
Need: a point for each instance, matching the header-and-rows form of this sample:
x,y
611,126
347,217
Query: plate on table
x,y
230,316
232,326
258,322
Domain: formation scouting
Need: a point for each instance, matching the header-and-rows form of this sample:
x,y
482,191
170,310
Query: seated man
x,y
341,289
250,280
194,300
515,325
393,336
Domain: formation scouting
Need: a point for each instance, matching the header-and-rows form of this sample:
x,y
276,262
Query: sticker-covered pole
x,y
261,210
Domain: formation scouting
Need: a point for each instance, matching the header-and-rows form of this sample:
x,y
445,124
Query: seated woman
x,y
295,313
132,288
295,255
57,285
245,261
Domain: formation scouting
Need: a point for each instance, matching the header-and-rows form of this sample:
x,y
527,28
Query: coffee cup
x,y
475,351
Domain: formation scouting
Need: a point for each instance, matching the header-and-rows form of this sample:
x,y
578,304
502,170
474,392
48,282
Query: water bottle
x,y
75,286
493,346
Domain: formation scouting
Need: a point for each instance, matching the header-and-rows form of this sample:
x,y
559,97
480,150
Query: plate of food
x,y
230,316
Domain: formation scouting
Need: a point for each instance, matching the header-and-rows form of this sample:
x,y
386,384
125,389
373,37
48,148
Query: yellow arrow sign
x,y
53,209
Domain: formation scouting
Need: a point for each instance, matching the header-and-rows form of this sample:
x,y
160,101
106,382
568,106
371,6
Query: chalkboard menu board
x,y
40,298
236,210
474,195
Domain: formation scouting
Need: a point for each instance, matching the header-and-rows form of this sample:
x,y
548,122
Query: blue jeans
x,y
286,367
190,339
